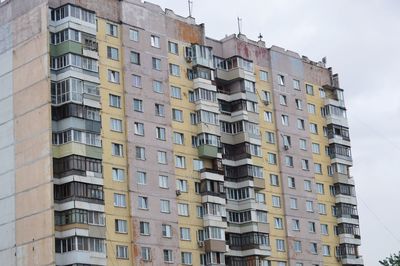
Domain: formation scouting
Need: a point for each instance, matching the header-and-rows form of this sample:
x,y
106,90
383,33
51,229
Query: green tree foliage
x,y
392,260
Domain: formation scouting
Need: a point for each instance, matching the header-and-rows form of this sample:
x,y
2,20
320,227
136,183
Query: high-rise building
x,y
127,137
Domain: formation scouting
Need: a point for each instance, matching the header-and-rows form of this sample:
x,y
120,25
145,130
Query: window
x,y
322,208
161,157
155,41
271,158
144,228
311,227
324,229
136,81
293,203
115,101
173,48
260,197
274,180
297,246
113,76
140,153
121,226
183,209
134,35
178,138
160,133
289,161
304,165
177,115
116,124
118,174
270,137
281,80
268,116
143,203
182,185
176,92
309,89
282,99
320,188
180,161
165,206
291,182
299,104
285,120
122,252
263,75
303,144
174,70
313,248
166,230
276,201
137,105
135,58
300,124
163,181
307,185
199,211
116,149
145,253
326,250
184,233
167,255
139,128
311,108
266,97
296,84
322,93
112,53
186,258
278,223
317,168
141,178
119,200
198,165
157,86
280,245
156,63
309,206
295,225
315,148
112,29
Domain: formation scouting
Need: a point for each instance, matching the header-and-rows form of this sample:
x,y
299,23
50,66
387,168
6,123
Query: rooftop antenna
x,y
239,24
260,37
190,4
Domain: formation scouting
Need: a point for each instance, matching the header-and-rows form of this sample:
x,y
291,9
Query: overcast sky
x,y
361,40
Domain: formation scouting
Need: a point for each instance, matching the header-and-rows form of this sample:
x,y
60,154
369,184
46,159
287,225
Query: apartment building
x,y
128,137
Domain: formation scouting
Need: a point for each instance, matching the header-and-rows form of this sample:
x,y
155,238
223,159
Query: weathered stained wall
x,y
26,193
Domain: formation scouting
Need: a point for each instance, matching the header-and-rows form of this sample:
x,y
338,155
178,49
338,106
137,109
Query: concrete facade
x,y
155,145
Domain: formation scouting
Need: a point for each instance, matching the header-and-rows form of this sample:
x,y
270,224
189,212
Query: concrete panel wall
x,y
26,196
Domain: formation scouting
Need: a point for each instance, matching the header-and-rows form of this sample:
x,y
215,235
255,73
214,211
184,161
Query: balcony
x,y
211,174
208,151
251,226
213,245
202,55
235,68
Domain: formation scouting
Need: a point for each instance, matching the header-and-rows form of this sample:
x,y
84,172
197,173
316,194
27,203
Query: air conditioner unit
x,y
286,147
200,243
266,102
188,59
178,192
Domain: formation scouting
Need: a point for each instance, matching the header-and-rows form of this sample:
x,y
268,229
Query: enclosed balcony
x,y
77,165
76,91
335,115
349,255
212,188
201,55
253,242
234,68
338,151
80,192
338,134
